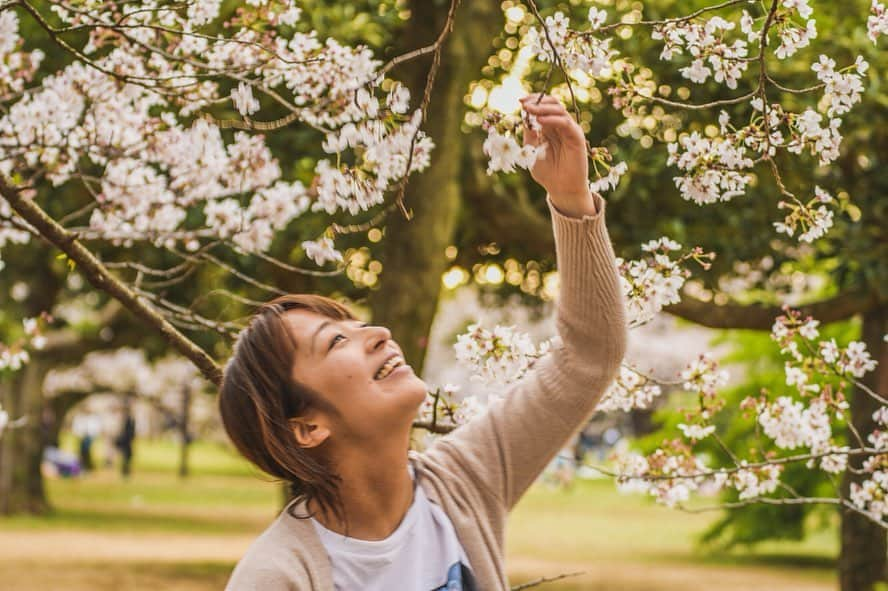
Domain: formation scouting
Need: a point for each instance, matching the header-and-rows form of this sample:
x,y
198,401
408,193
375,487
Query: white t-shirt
x,y
422,554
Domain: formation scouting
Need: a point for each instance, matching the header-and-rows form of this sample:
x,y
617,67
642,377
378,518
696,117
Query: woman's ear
x,y
309,430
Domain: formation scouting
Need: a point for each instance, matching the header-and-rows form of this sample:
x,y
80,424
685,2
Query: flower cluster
x,y
498,356
806,131
871,496
14,356
670,475
504,152
587,53
602,158
125,124
842,89
654,281
877,22
703,376
713,168
793,37
321,250
814,222
630,390
446,408
756,482
853,360
706,42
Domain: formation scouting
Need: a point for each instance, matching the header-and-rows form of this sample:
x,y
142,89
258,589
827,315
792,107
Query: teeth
x,y
389,366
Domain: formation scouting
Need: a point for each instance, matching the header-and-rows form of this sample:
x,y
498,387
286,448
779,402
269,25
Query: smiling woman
x,y
326,402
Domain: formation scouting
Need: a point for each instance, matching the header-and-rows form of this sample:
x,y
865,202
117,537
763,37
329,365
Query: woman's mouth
x,y
391,364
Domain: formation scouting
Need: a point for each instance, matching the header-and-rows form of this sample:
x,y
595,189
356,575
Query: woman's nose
x,y
377,336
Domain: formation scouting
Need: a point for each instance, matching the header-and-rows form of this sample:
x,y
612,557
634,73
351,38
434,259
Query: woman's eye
x,y
336,340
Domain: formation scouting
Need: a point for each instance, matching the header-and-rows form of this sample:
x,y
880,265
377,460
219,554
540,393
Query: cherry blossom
x,y
653,282
506,154
321,250
706,42
872,495
842,89
713,168
794,38
696,432
877,22
814,222
703,376
243,99
630,390
498,356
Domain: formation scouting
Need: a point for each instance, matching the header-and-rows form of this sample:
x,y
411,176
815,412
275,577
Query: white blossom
x,y
597,17
506,155
610,180
871,496
794,38
696,432
653,282
842,90
499,356
243,99
856,360
712,168
630,390
877,22
321,250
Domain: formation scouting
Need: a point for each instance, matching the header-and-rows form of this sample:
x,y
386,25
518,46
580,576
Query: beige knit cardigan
x,y
478,472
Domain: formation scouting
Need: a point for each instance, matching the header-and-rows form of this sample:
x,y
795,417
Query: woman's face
x,y
349,363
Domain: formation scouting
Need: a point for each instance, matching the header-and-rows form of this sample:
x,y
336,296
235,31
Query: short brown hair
x,y
259,396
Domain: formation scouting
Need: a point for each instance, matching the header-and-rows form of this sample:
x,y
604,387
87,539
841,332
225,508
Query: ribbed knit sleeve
x,y
503,450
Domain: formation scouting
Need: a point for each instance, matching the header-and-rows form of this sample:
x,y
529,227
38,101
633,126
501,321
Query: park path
x,y
80,561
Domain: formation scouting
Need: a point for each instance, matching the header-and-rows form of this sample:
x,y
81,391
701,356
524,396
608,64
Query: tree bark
x,y
862,560
184,431
413,251
21,449
761,317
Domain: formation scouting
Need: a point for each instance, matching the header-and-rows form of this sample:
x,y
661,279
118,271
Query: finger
x,y
555,126
537,99
543,110
531,137
555,121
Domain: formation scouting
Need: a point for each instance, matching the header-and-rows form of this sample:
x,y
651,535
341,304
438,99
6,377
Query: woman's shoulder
x,y
288,555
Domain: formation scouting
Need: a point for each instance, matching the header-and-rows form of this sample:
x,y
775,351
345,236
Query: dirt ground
x,y
90,561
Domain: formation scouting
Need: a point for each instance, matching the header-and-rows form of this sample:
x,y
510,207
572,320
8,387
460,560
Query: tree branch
x,y
96,273
761,317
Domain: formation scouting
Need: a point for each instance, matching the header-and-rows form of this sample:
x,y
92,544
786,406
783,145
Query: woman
x,y
325,402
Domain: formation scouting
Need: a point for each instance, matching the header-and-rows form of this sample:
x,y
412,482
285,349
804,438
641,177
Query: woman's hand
x,y
564,169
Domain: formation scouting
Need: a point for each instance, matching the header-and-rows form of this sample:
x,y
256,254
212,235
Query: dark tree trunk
x,y
60,405
184,433
862,561
21,448
413,253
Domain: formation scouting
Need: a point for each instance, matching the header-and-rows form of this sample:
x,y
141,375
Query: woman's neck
x,y
376,491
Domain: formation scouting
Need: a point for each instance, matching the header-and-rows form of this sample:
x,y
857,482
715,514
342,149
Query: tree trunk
x,y
862,561
184,433
21,449
413,252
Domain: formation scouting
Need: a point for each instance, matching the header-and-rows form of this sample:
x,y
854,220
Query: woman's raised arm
x,y
503,450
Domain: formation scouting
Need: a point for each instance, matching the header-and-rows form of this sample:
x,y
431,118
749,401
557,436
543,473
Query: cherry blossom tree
x,y
162,118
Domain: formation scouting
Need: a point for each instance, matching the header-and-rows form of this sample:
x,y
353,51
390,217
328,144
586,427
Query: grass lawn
x,y
156,531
